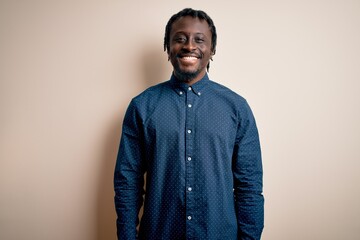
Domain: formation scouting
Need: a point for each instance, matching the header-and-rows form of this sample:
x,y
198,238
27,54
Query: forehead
x,y
190,24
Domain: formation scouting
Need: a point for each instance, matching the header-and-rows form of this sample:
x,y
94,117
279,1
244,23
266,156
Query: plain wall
x,y
68,70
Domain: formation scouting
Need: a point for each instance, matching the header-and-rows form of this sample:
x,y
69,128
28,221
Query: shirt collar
x,y
197,87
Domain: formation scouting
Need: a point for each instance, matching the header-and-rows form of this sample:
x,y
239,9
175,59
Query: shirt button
x,y
189,158
189,105
199,93
181,93
189,88
189,189
189,217
189,131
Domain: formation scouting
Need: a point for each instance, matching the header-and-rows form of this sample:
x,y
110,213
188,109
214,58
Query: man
x,y
198,144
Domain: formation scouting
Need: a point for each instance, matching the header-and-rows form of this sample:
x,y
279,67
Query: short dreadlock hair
x,y
195,14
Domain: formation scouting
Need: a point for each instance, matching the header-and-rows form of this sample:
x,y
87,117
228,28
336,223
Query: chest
x,y
206,118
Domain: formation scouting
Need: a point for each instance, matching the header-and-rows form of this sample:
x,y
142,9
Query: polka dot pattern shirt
x,y
200,150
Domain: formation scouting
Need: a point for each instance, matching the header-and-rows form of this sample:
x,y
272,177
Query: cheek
x,y
172,52
206,53
205,49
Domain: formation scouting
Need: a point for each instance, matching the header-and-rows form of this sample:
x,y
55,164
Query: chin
x,y
186,76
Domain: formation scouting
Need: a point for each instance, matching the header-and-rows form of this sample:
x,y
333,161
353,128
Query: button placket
x,y
189,167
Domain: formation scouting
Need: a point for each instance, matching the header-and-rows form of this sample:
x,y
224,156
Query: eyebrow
x,y
186,33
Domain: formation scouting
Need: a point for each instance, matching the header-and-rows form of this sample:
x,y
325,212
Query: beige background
x,y
68,70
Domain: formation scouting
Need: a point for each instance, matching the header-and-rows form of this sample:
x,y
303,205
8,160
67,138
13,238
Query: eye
x,y
180,39
199,40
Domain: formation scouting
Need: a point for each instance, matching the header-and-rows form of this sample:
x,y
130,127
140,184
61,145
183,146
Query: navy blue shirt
x,y
200,150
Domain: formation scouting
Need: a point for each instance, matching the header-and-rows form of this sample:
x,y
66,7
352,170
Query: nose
x,y
190,44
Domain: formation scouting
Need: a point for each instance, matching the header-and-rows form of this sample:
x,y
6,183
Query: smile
x,y
188,59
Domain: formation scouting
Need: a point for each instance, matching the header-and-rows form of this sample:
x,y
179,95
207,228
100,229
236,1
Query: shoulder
x,y
151,96
151,93
238,104
228,95
145,102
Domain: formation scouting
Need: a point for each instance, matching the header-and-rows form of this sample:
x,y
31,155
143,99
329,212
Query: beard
x,y
185,76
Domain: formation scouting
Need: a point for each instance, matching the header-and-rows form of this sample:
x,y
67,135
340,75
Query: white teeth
x,y
189,57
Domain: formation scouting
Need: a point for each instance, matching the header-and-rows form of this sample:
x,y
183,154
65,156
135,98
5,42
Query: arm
x,y
129,176
247,170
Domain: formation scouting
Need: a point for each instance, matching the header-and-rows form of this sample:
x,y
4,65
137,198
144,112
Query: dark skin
x,y
190,49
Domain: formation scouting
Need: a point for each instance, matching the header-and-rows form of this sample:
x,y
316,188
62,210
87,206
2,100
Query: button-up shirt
x,y
199,148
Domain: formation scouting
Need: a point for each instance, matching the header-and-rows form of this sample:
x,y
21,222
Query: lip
x,y
188,60
188,56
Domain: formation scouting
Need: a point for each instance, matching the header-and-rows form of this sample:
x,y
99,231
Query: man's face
x,y
190,48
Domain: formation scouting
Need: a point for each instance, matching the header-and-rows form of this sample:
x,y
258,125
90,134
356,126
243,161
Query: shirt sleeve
x,y
129,176
248,174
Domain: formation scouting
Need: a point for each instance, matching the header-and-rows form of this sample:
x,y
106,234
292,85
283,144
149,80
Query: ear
x,y
168,54
213,52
